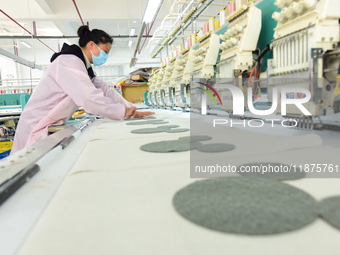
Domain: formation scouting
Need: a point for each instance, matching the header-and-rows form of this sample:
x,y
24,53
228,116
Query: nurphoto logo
x,y
287,96
304,96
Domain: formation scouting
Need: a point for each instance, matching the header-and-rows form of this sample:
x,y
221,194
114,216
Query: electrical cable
x,y
256,71
336,93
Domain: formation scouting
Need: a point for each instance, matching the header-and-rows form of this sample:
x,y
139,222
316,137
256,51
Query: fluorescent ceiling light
x,y
26,44
5,30
130,43
132,31
151,10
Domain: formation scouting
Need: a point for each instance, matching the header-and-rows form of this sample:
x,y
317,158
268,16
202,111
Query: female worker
x,y
69,82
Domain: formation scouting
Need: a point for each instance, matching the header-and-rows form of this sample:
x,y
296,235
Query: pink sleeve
x,y
110,92
72,77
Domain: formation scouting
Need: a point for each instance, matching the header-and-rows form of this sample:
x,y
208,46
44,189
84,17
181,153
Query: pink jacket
x,y
64,87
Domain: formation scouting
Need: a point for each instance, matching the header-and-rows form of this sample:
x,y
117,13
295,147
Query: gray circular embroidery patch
x,y
147,131
178,130
216,147
166,146
195,138
329,210
246,205
167,127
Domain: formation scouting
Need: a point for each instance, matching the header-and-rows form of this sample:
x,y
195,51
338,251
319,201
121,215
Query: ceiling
x,y
59,17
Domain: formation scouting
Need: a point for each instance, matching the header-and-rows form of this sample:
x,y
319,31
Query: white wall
x,y
7,68
120,56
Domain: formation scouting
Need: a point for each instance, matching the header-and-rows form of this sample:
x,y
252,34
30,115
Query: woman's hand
x,y
129,112
142,114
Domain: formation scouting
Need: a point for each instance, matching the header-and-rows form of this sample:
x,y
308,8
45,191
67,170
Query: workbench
x,y
103,195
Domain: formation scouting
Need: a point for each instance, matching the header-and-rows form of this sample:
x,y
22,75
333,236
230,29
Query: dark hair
x,y
96,35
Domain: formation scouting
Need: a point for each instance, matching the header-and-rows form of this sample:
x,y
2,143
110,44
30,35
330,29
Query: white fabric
x,y
118,200
130,212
